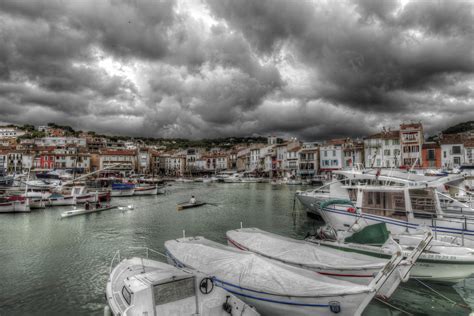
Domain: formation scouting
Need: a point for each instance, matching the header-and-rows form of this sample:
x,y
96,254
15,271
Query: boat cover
x,y
301,252
250,271
376,234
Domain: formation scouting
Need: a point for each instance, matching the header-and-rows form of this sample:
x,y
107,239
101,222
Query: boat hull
x,y
37,203
62,201
146,191
122,193
84,211
342,219
269,304
429,267
183,206
14,207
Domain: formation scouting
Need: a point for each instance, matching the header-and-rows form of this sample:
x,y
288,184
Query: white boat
x,y
146,190
353,267
349,182
250,180
82,211
57,199
14,207
290,181
37,203
440,262
140,286
82,195
234,178
272,287
184,180
405,202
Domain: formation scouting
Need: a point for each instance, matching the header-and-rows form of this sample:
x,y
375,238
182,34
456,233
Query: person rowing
x,y
192,200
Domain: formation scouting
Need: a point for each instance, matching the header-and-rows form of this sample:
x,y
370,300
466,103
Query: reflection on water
x,y
50,266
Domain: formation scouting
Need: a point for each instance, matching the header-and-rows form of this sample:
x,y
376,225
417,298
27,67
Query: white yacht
x,y
404,201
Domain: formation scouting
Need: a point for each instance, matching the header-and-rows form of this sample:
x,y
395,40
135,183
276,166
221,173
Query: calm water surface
x,y
50,266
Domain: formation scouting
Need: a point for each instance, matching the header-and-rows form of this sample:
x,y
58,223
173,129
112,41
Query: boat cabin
x,y
165,292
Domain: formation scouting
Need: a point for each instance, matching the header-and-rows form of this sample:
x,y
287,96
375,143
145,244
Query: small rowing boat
x,y
182,206
82,211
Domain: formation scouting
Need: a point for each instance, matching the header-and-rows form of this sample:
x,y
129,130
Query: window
x,y
396,152
126,295
387,142
431,154
456,150
173,291
334,153
377,198
325,153
444,154
386,152
457,160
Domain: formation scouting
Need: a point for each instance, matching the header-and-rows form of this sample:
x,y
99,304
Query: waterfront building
x,y
353,153
292,161
3,160
15,162
411,141
95,144
280,159
308,161
469,150
71,158
243,159
44,160
232,159
431,155
143,160
175,165
124,161
330,156
214,162
452,148
382,150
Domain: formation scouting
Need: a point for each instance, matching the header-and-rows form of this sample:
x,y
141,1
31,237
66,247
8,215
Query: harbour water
x,y
50,266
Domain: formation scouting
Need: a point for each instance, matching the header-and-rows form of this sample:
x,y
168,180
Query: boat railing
x,y
118,255
426,214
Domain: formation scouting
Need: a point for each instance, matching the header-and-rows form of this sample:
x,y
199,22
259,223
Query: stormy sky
x,y
213,68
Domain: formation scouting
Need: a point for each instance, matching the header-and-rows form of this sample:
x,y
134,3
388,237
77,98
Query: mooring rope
x,y
443,296
394,307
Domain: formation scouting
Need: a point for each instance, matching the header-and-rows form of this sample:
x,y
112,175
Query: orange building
x,y
431,155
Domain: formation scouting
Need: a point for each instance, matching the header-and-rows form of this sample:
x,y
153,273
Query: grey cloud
x,y
366,64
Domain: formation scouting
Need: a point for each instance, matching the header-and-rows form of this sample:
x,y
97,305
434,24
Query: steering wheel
x,y
206,286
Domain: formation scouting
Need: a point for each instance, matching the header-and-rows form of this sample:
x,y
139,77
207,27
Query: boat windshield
x,y
127,296
173,291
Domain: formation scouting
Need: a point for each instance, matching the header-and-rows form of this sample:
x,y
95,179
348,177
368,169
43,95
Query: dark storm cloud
x,y
315,70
